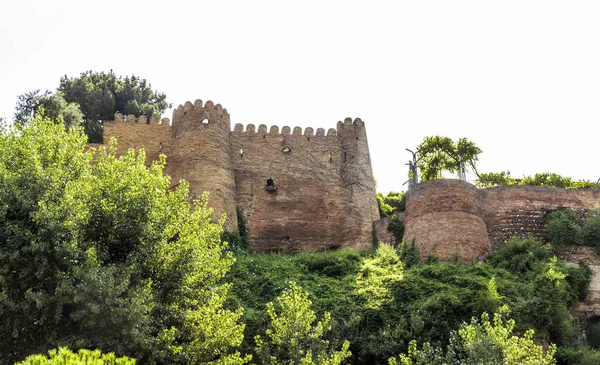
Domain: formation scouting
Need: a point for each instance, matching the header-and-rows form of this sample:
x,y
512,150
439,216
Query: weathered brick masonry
x,y
325,191
448,217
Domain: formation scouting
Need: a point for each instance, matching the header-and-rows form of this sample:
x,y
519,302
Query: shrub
x,y
64,356
590,232
562,229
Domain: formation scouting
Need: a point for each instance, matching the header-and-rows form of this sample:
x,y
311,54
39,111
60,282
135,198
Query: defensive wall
x,y
449,217
311,190
298,190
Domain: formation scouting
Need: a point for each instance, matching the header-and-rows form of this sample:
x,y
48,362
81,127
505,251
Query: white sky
x,y
519,78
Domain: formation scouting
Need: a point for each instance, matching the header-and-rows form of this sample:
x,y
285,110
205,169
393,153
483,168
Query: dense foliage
x,y
64,356
293,337
53,106
547,179
93,97
421,302
438,154
101,95
487,180
564,228
482,342
106,255
391,203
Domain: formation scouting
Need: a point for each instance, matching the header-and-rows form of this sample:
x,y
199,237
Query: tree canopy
x,y
54,106
93,97
106,255
438,154
101,95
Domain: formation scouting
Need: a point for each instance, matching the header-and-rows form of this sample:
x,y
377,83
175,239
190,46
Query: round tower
x,y
359,197
445,218
201,154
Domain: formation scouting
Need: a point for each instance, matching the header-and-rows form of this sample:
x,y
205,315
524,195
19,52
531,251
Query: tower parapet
x,y
201,154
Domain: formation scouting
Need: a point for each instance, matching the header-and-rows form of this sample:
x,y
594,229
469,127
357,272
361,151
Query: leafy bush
x,y
590,231
482,342
562,229
494,179
64,356
396,226
391,203
293,337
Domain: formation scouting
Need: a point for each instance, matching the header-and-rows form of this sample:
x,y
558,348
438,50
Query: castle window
x,y
241,153
204,117
330,158
345,156
287,149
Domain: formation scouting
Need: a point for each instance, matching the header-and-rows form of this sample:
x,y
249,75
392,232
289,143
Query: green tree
x,y
63,356
101,95
482,342
293,337
54,106
438,154
488,180
106,255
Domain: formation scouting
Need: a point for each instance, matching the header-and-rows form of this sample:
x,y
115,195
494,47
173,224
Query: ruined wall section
x,y
521,211
201,154
445,218
303,214
153,135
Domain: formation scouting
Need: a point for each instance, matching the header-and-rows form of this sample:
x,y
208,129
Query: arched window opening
x,y
204,117
286,149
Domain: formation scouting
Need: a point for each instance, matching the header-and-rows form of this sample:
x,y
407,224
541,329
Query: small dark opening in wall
x,y
308,138
184,113
287,238
345,156
264,136
241,153
330,158
271,187
357,138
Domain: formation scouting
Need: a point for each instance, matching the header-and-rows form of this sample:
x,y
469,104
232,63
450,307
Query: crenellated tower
x,y
201,154
356,177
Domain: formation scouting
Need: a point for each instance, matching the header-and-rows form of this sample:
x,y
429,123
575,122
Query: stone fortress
x,y
314,190
297,190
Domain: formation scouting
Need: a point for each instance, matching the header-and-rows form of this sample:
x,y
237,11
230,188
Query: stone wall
x,y
325,192
131,132
447,217
311,209
521,211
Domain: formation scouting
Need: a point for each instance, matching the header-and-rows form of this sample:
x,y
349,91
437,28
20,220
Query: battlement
x,y
214,111
142,119
285,131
